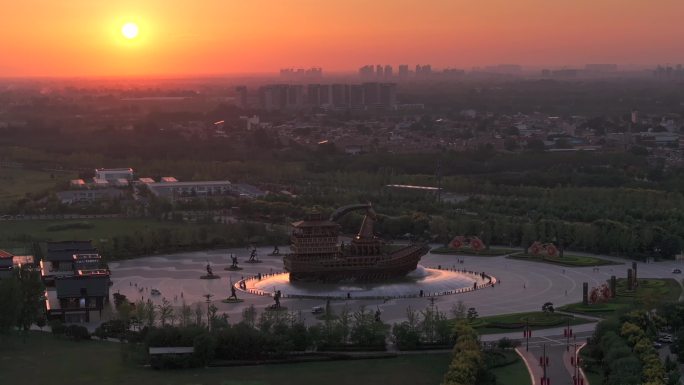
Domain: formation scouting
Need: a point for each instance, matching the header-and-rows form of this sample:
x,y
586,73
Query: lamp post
x,y
527,333
208,297
576,379
568,333
544,362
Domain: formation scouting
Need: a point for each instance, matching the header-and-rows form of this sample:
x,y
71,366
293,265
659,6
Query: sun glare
x,y
129,30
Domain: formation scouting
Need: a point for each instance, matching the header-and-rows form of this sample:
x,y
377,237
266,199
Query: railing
x,y
491,281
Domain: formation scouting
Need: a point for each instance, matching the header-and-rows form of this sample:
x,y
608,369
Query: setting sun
x,y
129,30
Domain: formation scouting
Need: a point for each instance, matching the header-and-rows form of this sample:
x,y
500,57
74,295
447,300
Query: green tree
x,y
10,303
165,311
32,291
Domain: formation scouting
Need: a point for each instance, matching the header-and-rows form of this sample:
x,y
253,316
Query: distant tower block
x,y
585,293
630,279
634,267
613,286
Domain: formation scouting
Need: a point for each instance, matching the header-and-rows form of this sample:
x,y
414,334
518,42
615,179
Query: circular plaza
x,y
520,286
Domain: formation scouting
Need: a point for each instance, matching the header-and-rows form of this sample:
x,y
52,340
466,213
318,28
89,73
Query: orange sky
x,y
185,37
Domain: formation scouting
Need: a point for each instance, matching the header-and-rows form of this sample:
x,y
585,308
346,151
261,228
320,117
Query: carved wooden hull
x,y
335,267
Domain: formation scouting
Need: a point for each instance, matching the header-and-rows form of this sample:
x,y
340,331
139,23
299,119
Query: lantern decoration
x,y
476,244
551,250
536,248
456,243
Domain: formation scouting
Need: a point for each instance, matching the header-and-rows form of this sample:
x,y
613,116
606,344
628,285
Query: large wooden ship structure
x,y
316,254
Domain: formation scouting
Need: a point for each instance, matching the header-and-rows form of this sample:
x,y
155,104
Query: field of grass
x,y
567,260
44,359
514,374
649,293
16,183
491,252
63,230
516,321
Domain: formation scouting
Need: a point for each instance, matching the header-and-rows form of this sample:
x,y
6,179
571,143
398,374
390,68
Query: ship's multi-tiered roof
x,y
317,255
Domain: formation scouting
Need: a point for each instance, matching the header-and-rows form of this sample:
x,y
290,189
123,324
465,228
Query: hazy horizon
x,y
214,38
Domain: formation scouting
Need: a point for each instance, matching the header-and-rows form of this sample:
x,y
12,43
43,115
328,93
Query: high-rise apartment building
x,y
388,71
356,96
403,71
340,95
241,96
367,71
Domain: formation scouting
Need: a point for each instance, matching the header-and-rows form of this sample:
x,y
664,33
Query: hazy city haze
x,y
83,37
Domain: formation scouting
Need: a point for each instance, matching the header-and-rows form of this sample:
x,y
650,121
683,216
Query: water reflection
x,y
429,281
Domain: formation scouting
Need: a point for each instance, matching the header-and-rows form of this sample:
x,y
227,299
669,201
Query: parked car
x,y
155,292
317,310
657,345
665,339
676,271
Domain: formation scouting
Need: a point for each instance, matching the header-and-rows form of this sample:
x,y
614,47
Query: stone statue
x,y
252,255
235,261
233,293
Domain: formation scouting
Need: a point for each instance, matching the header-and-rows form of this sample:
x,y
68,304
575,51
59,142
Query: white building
x,y
112,174
190,189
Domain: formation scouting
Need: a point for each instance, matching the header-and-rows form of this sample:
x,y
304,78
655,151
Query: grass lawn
x,y
491,252
650,292
44,359
514,374
16,183
568,260
44,230
516,321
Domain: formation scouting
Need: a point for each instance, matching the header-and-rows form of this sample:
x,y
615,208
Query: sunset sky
x,y
202,37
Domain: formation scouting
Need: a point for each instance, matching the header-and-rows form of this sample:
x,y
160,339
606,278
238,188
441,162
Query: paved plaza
x,y
522,285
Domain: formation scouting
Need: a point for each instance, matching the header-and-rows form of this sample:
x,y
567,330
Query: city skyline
x,y
84,39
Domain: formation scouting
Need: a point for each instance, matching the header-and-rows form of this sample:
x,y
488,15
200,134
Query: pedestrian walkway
x,y
532,364
559,370
584,329
569,359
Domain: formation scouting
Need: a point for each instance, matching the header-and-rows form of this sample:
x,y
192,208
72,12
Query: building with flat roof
x,y
112,174
88,196
77,183
76,280
6,264
176,190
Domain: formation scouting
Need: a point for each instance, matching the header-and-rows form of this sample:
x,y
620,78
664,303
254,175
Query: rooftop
x,y
122,169
191,183
320,223
412,187
82,285
69,245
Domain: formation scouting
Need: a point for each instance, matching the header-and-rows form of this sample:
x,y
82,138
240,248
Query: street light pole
x,y
208,297
527,334
577,372
544,363
567,336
